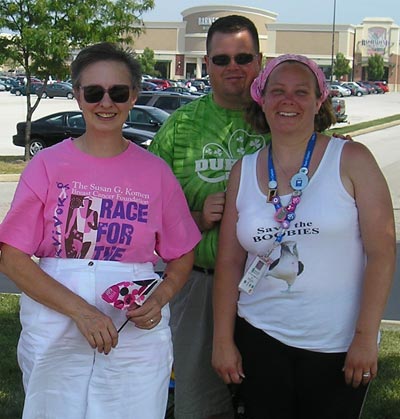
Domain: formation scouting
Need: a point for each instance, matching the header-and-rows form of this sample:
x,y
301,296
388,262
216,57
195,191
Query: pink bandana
x,y
258,84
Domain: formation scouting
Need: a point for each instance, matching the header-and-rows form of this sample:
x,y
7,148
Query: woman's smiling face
x,y
105,115
290,98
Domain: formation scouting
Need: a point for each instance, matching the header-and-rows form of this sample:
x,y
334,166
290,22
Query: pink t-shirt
x,y
69,204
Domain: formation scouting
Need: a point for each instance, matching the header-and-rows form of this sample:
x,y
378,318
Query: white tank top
x,y
321,257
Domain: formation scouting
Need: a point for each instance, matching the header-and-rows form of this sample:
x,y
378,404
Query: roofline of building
x,y
378,19
311,27
231,9
163,25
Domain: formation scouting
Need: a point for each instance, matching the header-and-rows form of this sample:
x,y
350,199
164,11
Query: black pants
x,y
283,382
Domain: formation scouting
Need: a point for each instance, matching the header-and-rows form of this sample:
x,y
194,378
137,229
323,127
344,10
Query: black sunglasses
x,y
95,93
240,59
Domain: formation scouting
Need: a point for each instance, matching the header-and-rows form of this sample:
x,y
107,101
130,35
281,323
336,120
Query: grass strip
x,y
348,129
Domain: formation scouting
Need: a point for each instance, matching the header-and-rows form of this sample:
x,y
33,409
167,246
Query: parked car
x,y
22,79
161,83
8,82
341,90
332,92
146,86
373,86
181,82
339,107
168,101
356,90
148,118
20,90
378,88
58,89
382,84
199,84
54,128
370,87
182,90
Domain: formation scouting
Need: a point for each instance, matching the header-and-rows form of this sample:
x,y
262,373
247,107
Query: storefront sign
x,y
376,42
206,20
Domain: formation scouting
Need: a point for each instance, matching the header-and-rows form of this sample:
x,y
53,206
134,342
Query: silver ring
x,y
151,321
366,375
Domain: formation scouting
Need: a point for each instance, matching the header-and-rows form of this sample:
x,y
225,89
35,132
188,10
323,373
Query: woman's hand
x,y
175,275
146,316
227,362
361,364
342,136
97,328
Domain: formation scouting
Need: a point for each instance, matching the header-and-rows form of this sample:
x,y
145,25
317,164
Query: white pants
x,y
65,378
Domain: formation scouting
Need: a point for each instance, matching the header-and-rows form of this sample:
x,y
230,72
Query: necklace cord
x,y
299,181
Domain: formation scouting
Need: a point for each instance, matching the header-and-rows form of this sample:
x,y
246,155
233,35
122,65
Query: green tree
x,y
148,62
341,66
44,34
376,67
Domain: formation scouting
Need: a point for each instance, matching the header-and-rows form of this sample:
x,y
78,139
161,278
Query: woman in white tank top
x,y
305,259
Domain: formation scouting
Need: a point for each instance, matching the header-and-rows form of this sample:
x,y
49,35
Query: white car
x,y
342,91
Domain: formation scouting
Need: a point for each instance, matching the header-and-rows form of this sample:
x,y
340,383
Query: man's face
x,y
231,82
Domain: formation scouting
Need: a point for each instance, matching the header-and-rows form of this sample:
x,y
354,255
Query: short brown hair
x,y
233,24
106,51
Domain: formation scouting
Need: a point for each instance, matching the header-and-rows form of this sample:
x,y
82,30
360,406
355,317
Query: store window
x,y
190,70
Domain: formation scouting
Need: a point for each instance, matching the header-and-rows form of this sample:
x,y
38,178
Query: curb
x,y
9,177
390,324
375,128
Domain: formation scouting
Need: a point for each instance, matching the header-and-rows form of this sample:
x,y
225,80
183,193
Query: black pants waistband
x,y
203,270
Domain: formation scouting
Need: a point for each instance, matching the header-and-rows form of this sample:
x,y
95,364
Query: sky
x,y
289,11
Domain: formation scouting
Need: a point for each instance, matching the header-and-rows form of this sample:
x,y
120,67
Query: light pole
x,y
333,38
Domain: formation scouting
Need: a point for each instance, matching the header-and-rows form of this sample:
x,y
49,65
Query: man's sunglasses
x,y
240,59
118,93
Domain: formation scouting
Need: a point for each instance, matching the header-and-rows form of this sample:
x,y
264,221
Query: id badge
x,y
256,271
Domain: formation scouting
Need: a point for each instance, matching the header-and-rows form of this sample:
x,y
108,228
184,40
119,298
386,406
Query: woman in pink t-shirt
x,y
96,211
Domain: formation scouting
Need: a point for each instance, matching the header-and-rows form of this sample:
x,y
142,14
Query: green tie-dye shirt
x,y
201,141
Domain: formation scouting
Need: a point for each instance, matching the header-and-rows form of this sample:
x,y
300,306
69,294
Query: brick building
x,y
180,46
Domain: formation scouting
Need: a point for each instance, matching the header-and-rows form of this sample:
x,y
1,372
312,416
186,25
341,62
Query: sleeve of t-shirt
x,y
179,233
162,144
22,227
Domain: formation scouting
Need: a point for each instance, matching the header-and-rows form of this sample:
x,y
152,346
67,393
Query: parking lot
x,y
13,110
366,108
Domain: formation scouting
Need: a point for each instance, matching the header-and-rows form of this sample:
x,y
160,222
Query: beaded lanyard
x,y
285,214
